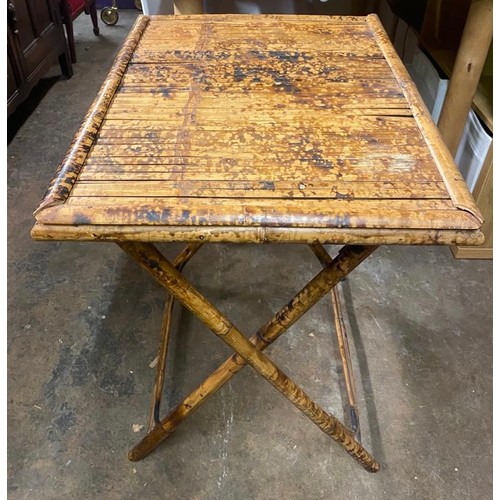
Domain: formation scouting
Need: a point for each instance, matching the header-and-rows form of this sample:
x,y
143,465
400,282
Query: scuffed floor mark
x,y
382,331
223,436
64,417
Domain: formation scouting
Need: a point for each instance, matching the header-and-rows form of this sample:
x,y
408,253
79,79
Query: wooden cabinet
x,y
483,194
35,42
13,79
469,86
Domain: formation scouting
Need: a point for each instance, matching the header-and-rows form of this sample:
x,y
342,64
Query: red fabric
x,y
76,6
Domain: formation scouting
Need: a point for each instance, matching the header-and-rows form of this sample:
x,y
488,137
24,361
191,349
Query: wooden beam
x,y
472,53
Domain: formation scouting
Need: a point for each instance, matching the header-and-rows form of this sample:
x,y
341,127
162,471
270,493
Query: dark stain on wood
x,y
239,74
268,185
293,57
81,219
284,83
165,91
318,160
153,216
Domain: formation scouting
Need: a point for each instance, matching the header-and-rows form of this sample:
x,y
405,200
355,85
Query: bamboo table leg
x,y
343,342
348,259
154,413
154,410
166,274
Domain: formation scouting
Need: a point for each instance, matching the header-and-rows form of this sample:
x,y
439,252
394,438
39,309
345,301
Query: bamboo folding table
x,y
257,129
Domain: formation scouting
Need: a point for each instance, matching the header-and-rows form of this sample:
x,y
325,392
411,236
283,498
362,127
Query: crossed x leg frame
x,y
249,350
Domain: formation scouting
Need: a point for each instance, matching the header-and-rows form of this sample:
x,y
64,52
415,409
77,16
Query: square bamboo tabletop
x,y
259,128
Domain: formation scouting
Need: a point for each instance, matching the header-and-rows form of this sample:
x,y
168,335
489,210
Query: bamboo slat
x,y
399,156
178,174
244,189
242,141
269,20
308,26
229,121
367,70
293,102
337,123
372,128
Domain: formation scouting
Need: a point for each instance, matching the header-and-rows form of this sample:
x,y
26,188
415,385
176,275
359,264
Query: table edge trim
x,y
224,234
68,170
453,179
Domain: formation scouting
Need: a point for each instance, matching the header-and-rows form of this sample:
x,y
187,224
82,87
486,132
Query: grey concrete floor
x,y
83,322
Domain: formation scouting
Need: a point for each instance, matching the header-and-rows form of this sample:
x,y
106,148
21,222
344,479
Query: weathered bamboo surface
x,y
261,121
221,234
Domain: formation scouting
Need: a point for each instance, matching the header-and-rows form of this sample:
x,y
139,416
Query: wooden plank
x,y
278,89
273,40
304,26
273,167
305,166
173,28
272,43
212,116
472,252
351,36
241,79
259,137
253,139
217,53
324,69
167,86
474,46
223,173
336,124
256,19
400,156
266,89
257,51
285,97
118,187
342,161
176,172
329,144
227,205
